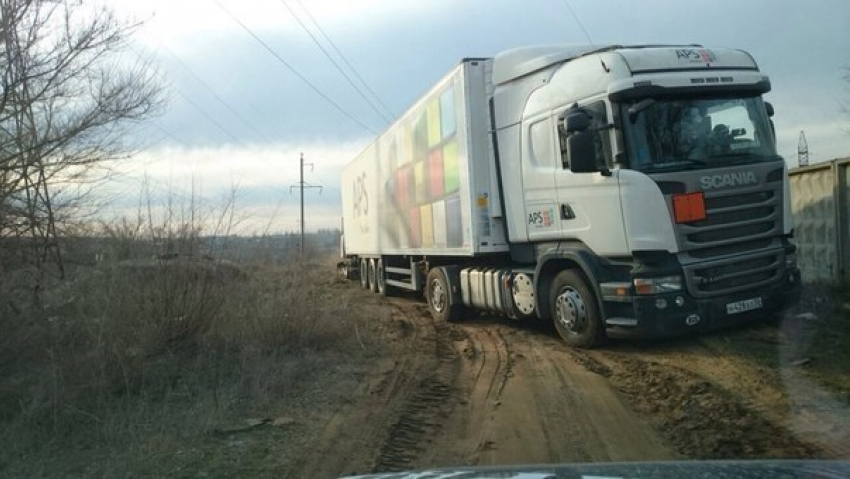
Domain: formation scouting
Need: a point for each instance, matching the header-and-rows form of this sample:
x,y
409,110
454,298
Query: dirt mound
x,y
700,418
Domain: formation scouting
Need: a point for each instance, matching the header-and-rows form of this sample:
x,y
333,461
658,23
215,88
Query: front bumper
x,y
699,315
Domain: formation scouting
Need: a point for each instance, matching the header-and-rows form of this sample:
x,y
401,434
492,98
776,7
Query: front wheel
x,y
439,297
575,311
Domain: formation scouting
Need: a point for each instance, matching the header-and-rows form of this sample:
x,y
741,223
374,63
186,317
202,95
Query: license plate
x,y
743,306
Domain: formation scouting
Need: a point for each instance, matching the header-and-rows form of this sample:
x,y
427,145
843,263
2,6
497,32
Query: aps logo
x,y
361,197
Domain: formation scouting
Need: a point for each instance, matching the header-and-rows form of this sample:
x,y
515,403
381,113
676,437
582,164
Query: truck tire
x,y
575,310
373,283
381,278
364,273
438,295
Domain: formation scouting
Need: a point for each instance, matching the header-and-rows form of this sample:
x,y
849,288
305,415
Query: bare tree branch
x,y
67,98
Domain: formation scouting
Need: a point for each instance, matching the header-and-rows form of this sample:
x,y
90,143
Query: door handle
x,y
567,212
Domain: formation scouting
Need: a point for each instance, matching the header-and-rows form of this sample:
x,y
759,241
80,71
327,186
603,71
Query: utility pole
x,y
301,185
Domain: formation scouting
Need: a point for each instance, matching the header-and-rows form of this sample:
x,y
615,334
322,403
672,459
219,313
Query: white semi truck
x,y
630,190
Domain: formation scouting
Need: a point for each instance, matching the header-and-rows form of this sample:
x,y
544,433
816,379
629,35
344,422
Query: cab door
x,y
589,207
539,164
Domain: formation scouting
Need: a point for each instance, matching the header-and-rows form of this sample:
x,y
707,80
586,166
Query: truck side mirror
x,y
576,122
581,152
769,108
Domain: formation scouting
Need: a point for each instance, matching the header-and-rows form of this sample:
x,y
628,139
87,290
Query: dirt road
x,y
490,391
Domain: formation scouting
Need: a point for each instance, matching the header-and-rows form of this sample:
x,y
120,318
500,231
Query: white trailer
x,y
615,190
427,185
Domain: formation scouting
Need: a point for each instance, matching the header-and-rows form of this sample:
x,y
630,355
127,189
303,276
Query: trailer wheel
x,y
381,278
575,310
439,297
364,273
373,283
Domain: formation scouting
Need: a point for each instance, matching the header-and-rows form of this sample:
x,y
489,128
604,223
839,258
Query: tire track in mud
x,y
420,418
480,392
702,419
525,402
493,371
582,417
425,410
398,405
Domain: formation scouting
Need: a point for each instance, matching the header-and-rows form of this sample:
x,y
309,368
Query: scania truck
x,y
615,190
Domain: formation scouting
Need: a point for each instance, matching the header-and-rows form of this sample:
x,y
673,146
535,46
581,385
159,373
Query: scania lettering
x,y
728,179
613,190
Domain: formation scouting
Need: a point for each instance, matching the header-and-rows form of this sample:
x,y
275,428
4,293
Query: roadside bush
x,y
128,345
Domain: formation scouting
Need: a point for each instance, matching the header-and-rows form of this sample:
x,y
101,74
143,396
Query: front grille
x,y
730,200
727,252
731,232
733,217
736,274
736,216
731,249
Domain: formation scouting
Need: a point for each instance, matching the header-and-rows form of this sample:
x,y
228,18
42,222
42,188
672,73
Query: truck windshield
x,y
699,132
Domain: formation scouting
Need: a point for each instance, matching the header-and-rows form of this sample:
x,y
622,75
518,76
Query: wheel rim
x,y
371,273
570,311
438,296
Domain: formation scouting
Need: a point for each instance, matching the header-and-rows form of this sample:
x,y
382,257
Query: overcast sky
x,y
239,117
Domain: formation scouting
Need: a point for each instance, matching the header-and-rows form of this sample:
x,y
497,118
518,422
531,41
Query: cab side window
x,y
541,144
601,131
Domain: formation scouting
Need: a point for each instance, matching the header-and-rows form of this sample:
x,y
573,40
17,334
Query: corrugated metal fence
x,y
820,202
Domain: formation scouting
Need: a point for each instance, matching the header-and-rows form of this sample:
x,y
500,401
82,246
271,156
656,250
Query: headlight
x,y
791,261
663,284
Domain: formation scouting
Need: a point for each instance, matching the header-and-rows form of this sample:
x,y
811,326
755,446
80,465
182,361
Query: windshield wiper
x,y
734,158
666,164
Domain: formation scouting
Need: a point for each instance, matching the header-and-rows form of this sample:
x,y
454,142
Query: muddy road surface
x,y
491,391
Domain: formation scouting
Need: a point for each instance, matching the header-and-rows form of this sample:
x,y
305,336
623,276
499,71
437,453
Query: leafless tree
x,y
70,92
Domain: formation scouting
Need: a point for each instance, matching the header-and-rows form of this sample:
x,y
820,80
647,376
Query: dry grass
x,y
127,360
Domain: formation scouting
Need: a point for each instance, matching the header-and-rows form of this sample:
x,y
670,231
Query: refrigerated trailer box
x,y
428,185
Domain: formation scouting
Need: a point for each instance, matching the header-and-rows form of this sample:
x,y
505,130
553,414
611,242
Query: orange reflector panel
x,y
689,207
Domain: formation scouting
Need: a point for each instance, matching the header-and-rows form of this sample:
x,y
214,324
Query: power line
x,y
197,107
292,69
216,95
335,64
578,21
210,118
345,60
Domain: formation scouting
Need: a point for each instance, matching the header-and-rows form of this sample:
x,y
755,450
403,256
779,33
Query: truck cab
x,y
650,173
